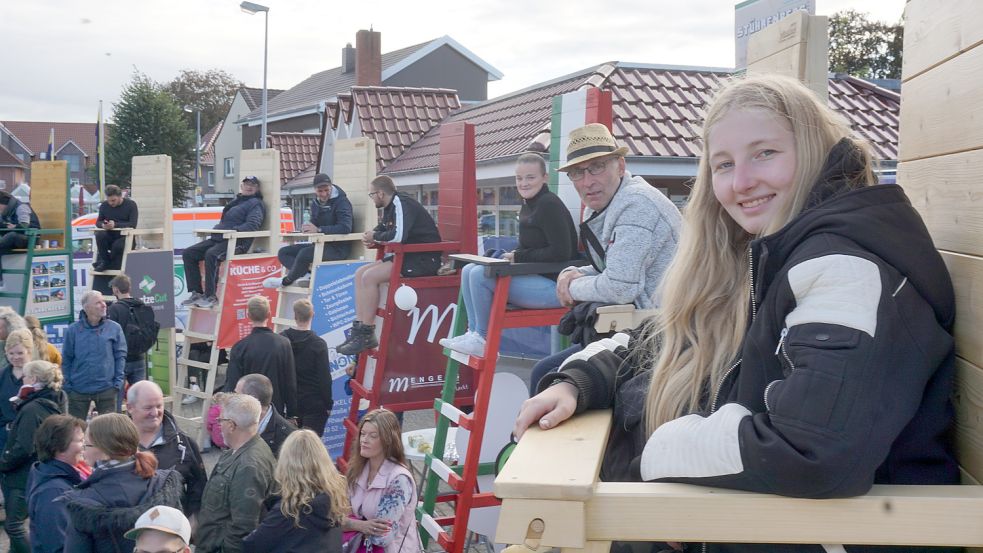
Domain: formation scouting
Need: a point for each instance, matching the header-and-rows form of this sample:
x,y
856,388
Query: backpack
x,y
140,330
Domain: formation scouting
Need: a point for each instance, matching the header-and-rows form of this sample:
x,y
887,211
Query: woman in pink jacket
x,y
381,488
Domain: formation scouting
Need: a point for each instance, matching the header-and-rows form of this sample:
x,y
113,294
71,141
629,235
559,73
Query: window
x,y
73,162
211,178
230,167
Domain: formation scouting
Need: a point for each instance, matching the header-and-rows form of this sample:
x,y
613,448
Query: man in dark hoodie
x,y
273,428
267,353
135,368
59,441
15,217
115,213
314,399
160,435
331,213
245,213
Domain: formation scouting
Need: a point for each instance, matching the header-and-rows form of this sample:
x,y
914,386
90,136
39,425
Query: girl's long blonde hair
x,y
40,337
698,333
304,470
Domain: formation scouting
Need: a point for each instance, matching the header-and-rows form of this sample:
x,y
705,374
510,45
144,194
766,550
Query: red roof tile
x,y
298,151
658,111
35,134
208,144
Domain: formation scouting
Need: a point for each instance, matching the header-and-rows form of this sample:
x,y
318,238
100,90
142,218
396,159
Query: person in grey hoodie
x,y
630,232
93,358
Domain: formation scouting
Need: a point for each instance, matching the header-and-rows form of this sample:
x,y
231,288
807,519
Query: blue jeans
x,y
549,364
133,372
526,291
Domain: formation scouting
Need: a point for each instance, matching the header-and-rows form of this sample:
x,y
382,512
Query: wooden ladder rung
x,y
295,289
193,363
190,392
284,321
111,272
200,336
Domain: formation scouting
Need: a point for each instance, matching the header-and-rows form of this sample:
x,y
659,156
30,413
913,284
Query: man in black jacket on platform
x,y
273,428
267,353
115,213
313,369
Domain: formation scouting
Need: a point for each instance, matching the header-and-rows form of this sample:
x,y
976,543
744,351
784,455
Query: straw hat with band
x,y
589,142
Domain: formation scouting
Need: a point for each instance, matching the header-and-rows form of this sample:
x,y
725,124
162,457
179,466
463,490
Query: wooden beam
x,y
797,46
563,522
968,400
938,30
967,279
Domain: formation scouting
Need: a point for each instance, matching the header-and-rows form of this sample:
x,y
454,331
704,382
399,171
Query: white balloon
x,y
405,297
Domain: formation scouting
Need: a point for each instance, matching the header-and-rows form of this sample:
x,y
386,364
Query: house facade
x,y
226,146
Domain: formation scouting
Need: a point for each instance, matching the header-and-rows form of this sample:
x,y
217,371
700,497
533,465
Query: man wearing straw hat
x,y
630,231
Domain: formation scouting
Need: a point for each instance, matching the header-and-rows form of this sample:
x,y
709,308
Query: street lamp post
x,y
252,9
197,111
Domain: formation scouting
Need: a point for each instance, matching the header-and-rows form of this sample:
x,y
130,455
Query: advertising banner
x,y
415,371
244,280
333,296
47,293
152,282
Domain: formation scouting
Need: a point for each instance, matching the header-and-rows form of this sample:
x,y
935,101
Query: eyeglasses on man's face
x,y
594,168
373,194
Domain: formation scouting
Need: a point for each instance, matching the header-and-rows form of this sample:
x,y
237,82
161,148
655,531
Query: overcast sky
x,y
60,57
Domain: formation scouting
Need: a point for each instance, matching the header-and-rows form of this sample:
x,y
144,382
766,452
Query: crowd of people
x,y
800,344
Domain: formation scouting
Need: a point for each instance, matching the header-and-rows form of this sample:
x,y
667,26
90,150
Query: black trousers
x,y
11,241
297,258
109,248
210,251
314,421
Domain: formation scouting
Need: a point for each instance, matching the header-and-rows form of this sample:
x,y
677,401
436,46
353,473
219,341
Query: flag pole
x,y
102,151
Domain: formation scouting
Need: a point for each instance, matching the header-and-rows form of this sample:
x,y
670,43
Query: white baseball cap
x,y
163,519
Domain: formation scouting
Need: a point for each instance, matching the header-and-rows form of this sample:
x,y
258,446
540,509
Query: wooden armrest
x,y
141,231
515,269
392,247
561,463
251,233
350,237
212,231
461,259
614,318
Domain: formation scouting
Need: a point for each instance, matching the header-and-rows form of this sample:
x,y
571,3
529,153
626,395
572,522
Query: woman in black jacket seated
x,y
803,346
124,483
39,398
313,500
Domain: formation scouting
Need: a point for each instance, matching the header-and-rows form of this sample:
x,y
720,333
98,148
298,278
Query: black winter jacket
x,y
119,311
179,452
276,432
270,355
19,453
125,215
243,214
279,534
19,213
108,504
546,231
846,368
334,217
405,221
313,371
49,518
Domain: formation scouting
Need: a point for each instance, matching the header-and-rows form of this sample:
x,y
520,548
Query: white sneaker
x,y
473,345
273,282
450,342
188,400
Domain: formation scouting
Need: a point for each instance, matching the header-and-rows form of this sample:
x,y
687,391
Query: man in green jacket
x,y
240,482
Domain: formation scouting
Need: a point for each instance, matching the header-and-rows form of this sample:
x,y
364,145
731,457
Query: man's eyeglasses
x,y
221,419
595,168
372,194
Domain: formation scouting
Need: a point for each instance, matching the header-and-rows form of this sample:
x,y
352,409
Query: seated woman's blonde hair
x,y
304,470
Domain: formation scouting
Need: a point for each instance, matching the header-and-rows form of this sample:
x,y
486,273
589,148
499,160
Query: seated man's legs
x,y
104,242
213,255
115,260
8,242
192,255
368,279
549,364
300,257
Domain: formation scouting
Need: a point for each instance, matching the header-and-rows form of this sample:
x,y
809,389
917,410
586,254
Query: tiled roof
x,y
325,85
8,159
298,151
657,112
254,97
35,134
208,144
396,117
301,179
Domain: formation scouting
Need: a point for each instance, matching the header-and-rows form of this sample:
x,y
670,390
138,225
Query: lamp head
x,y
252,8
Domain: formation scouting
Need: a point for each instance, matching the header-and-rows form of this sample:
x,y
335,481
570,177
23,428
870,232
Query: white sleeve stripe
x,y
398,208
696,447
836,289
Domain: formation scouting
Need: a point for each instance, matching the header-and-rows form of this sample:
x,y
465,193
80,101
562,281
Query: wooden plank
x,y
49,195
967,279
936,30
942,109
151,188
888,515
968,400
574,450
354,167
265,165
946,192
797,46
563,522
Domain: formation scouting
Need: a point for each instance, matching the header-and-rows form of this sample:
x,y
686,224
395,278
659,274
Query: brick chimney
x,y
368,58
348,59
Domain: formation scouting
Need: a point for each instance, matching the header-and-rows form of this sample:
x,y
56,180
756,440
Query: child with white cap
x,y
161,529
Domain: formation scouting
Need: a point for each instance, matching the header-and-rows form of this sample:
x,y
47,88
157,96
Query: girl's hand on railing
x,y
550,407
